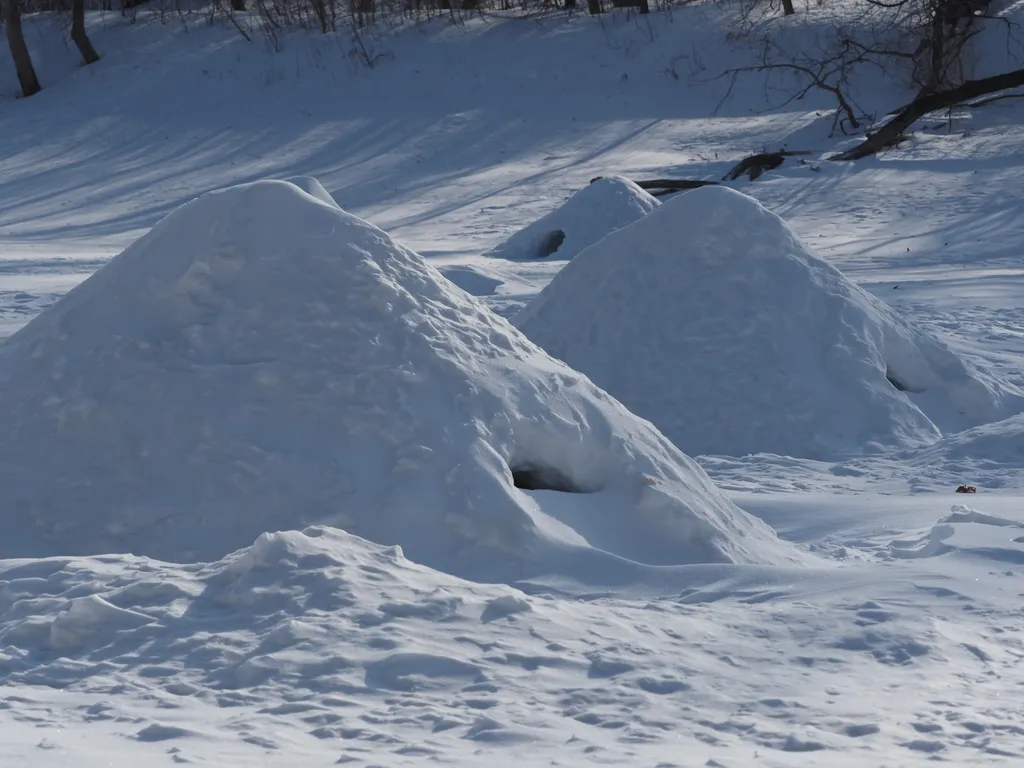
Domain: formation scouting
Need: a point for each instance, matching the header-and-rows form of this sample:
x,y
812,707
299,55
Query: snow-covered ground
x,y
653,619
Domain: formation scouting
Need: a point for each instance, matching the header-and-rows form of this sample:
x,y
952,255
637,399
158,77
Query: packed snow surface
x,y
262,360
599,208
315,647
710,318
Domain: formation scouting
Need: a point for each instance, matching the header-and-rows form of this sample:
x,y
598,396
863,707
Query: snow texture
x,y
598,209
710,318
316,647
262,360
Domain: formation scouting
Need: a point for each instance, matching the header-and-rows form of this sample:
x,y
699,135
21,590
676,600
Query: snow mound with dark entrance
x,y
712,320
262,360
601,207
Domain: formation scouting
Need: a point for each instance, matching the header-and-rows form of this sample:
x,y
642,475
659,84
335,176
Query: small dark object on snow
x,y
966,489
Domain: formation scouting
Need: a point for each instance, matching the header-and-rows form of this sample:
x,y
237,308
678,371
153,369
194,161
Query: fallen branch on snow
x,y
752,167
658,187
894,131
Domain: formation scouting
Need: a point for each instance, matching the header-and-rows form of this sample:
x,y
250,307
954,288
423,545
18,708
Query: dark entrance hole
x,y
551,244
530,477
891,378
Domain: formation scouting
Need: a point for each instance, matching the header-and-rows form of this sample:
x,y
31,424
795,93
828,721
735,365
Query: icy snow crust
x,y
601,207
262,360
711,319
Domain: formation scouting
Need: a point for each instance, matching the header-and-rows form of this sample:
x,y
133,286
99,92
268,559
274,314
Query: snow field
x,y
901,645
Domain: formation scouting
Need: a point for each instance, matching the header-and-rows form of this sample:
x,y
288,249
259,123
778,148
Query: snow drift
x,y
603,206
712,320
998,445
312,186
262,360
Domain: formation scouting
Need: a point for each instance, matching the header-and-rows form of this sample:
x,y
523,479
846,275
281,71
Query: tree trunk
x,y
570,4
936,55
238,6
79,35
787,8
644,7
19,49
890,133
320,9
594,6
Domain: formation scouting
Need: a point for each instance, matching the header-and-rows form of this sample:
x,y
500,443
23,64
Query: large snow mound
x,y
712,320
262,360
603,206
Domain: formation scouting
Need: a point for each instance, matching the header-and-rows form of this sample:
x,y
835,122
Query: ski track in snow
x,y
318,648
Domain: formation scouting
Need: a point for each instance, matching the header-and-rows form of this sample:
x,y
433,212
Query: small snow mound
x,y
961,513
504,607
967,531
603,206
263,361
272,551
711,319
87,620
314,188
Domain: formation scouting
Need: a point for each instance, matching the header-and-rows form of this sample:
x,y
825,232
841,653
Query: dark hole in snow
x,y
897,383
551,244
529,477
